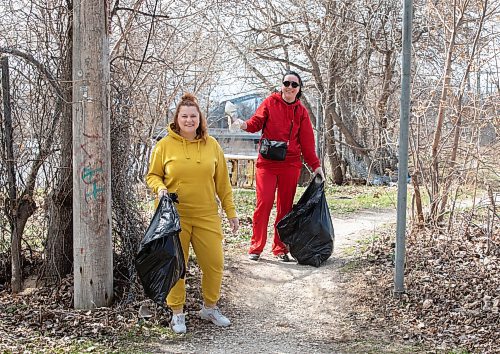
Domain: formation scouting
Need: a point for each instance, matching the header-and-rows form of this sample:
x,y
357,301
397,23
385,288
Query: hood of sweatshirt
x,y
277,99
173,135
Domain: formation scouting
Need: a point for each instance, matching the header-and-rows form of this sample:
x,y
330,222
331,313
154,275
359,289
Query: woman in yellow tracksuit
x,y
191,163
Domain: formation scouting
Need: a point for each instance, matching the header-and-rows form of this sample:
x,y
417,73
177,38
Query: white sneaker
x,y
214,315
178,323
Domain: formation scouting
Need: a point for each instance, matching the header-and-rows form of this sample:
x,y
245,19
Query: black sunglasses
x,y
293,83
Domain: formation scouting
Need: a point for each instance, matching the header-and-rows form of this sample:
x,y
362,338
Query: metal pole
x,y
403,148
318,125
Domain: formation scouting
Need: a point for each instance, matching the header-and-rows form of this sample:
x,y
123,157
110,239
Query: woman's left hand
x,y
319,171
234,223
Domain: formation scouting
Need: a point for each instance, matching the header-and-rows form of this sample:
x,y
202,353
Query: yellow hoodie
x,y
196,170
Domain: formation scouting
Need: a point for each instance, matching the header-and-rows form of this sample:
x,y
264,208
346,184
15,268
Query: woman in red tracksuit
x,y
285,119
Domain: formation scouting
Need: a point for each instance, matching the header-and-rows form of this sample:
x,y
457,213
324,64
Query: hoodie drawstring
x,y
185,149
186,153
199,153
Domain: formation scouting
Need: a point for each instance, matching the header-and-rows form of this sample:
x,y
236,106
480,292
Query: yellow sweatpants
x,y
205,235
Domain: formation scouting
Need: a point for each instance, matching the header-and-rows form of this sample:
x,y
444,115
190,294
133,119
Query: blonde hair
x,y
190,100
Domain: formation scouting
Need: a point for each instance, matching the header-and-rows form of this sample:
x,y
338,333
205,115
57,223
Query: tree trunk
x,y
458,122
11,206
435,179
418,199
92,242
59,248
384,97
437,134
127,223
332,153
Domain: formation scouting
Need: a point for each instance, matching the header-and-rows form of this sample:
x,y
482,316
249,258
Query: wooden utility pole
x,y
92,244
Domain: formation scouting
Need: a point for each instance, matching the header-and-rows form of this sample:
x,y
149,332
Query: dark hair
x,y
289,72
189,99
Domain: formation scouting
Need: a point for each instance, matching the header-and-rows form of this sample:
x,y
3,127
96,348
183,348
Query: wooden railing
x,y
241,170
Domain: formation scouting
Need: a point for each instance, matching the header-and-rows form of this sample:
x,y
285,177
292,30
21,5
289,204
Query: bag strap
x,y
291,126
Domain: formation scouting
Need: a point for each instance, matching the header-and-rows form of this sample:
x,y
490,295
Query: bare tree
x,y
25,202
458,18
457,102
459,107
58,258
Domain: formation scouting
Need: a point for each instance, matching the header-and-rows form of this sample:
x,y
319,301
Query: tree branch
x,y
116,9
33,61
266,57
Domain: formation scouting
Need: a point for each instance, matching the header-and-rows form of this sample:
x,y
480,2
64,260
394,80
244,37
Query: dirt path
x,y
289,308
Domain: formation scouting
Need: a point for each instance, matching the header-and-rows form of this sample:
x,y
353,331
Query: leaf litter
x,y
451,302
452,283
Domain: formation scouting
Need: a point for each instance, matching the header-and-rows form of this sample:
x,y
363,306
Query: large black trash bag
x,y
160,260
307,229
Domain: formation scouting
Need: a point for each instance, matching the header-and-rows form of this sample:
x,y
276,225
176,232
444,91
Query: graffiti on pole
x,y
92,173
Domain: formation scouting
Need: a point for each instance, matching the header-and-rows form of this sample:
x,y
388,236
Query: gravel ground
x,y
289,308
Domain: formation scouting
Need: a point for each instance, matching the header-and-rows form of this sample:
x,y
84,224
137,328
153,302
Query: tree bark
x,y
332,153
127,222
418,199
384,97
92,243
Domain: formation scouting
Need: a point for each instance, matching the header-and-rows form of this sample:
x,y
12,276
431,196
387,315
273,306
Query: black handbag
x,y
274,149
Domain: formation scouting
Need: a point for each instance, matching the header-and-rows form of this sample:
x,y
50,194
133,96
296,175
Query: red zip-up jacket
x,y
278,117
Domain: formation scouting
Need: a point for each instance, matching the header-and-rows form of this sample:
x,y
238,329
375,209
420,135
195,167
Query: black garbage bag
x,y
160,260
307,229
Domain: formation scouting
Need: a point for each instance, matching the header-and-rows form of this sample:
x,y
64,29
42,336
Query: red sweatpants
x,y
282,178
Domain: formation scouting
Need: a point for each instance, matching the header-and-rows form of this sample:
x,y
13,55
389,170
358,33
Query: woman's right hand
x,y
162,192
238,123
